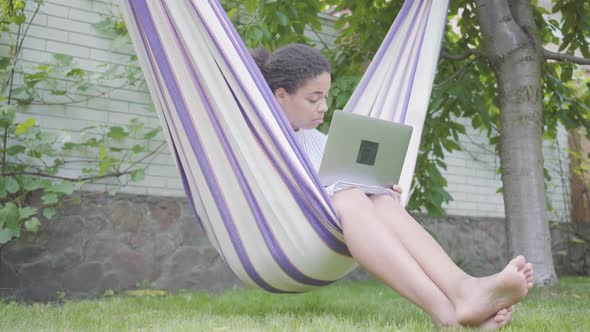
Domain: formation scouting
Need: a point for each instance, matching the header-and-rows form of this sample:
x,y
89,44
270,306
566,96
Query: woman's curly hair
x,y
289,67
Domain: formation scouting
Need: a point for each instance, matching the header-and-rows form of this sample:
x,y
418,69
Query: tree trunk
x,y
510,43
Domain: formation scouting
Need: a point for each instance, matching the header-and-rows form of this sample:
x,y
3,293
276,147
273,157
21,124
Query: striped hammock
x,y
255,195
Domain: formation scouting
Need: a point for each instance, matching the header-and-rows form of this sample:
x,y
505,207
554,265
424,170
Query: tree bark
x,y
510,43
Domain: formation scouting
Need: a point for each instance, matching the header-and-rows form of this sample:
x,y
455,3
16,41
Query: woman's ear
x,y
281,95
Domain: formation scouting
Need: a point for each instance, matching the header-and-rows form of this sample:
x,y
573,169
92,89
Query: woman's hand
x,y
397,190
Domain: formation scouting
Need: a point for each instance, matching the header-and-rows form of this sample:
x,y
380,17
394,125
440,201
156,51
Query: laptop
x,y
364,150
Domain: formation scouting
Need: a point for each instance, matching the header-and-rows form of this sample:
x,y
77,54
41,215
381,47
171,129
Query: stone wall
x,y
116,243
113,243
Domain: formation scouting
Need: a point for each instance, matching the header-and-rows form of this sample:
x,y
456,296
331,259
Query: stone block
x,y
192,232
9,280
164,246
101,247
197,269
84,278
110,281
94,224
66,260
21,252
124,216
41,291
37,271
65,227
131,266
166,212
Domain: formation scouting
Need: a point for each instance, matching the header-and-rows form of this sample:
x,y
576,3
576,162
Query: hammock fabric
x,y
255,195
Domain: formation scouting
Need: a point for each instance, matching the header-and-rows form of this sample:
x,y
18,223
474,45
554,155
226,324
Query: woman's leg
x,y
474,299
381,253
371,244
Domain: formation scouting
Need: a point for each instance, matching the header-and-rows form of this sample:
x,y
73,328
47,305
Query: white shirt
x,y
313,144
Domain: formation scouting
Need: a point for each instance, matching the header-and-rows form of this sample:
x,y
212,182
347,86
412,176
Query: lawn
x,y
345,306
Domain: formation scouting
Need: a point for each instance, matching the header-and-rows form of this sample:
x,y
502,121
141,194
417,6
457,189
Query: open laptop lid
x,y
364,150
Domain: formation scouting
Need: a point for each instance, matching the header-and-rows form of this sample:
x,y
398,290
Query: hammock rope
x,y
254,193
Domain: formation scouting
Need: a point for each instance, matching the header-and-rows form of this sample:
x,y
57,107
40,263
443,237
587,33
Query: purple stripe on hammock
x,y
420,49
279,115
416,59
404,69
150,31
318,208
411,39
185,184
359,90
272,244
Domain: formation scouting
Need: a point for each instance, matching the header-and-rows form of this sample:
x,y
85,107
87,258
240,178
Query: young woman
x,y
380,234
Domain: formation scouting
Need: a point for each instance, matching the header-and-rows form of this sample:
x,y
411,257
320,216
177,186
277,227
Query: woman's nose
x,y
324,106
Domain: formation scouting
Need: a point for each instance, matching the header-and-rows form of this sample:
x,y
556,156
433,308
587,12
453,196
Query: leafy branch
x,y
33,157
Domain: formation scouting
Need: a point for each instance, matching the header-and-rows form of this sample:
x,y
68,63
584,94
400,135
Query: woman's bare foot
x,y
500,319
481,298
528,274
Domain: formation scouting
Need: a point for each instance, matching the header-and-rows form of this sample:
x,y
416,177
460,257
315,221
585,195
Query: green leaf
x,y
32,184
49,199
19,19
65,187
117,133
32,225
33,79
75,72
11,185
59,92
102,152
152,133
283,19
8,234
250,5
26,212
137,175
15,149
49,213
6,117
9,216
5,63
105,26
63,59
104,165
577,240
23,127
137,149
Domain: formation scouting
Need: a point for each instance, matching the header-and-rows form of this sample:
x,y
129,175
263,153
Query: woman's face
x,y
305,107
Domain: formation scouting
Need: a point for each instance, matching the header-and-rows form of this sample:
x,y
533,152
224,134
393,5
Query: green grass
x,y
345,306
